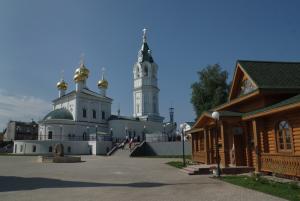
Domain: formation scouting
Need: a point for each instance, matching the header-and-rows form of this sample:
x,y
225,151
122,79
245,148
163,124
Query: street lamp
x,y
88,132
96,132
61,128
111,133
126,136
144,133
182,126
216,115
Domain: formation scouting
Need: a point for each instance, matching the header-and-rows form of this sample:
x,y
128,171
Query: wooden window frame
x,y
278,149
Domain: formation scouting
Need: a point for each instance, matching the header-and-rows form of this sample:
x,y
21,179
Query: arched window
x,y
49,135
284,136
137,72
103,115
146,71
94,114
84,112
33,148
50,149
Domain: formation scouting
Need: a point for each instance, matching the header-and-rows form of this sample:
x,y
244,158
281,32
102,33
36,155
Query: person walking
x,y
130,143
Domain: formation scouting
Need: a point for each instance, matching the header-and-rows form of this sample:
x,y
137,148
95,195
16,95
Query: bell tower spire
x,y
145,92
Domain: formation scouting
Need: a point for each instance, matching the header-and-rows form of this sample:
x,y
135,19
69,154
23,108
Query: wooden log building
x,y
259,126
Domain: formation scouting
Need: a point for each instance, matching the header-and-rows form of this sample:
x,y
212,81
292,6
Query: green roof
x,y
273,75
294,99
61,113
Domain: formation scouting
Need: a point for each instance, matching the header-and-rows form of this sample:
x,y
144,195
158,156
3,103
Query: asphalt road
x,y
115,178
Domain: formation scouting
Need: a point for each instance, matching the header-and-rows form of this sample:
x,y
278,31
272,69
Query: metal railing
x,y
76,138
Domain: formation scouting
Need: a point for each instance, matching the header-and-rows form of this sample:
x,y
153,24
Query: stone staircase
x,y
203,169
196,170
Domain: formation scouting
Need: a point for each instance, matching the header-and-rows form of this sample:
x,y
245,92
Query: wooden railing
x,y
281,164
199,156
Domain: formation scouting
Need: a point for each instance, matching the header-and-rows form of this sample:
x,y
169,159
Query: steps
x,y
196,170
203,169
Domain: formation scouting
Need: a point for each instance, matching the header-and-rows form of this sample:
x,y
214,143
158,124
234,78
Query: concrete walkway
x,y
113,178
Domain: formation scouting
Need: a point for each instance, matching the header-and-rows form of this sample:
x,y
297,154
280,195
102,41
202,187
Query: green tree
x,y
211,89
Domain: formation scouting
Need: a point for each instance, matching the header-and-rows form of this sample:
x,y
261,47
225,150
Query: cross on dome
x,y
81,58
144,35
62,74
103,72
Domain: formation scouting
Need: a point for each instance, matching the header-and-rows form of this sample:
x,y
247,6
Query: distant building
x,y
17,130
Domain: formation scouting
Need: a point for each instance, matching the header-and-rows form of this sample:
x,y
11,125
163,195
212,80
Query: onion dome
x,y
62,85
81,73
103,84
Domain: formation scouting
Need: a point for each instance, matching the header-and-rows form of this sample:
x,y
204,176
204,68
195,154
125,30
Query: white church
x,y
82,121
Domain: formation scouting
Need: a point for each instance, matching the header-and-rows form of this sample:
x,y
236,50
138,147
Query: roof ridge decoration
x,y
240,76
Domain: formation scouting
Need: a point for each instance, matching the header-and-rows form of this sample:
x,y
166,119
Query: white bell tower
x,y
145,89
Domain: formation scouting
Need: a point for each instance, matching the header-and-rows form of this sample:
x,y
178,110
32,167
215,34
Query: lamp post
x,y
216,115
126,136
96,132
111,134
144,133
33,131
182,126
88,132
61,128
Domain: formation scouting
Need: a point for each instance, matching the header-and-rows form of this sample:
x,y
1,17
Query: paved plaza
x,y
113,178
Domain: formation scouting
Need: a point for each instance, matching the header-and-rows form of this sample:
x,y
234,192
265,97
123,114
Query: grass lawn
x,y
177,164
289,191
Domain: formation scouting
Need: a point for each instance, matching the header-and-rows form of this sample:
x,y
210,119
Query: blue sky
x,y
40,38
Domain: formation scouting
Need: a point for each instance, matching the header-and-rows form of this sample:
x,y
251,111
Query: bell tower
x,y
145,88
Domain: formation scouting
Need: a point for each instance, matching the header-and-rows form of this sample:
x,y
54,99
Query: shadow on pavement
x,y
12,183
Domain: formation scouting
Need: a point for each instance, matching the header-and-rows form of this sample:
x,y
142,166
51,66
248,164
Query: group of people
x,y
131,142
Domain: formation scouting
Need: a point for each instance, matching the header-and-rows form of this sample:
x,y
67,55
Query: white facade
x,y
81,116
36,147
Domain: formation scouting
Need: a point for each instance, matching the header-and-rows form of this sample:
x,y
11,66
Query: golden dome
x,y
62,85
81,73
103,84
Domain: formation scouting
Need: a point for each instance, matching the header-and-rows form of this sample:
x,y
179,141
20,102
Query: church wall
x,y
119,128
90,105
42,147
69,130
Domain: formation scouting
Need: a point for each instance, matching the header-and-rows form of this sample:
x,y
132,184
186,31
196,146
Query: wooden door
x,y
239,152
